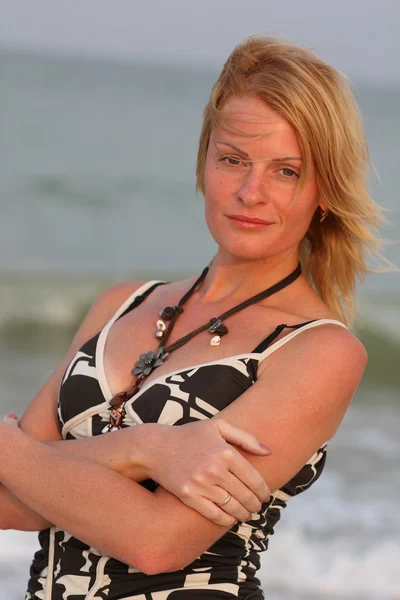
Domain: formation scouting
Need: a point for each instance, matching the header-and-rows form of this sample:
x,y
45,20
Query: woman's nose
x,y
253,189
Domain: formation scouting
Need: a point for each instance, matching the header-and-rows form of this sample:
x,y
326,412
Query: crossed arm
x,y
295,410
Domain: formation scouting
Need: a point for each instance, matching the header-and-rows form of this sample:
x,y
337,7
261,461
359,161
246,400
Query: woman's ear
x,y
323,206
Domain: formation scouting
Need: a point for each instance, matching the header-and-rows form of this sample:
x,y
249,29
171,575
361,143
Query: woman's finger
x,y
226,501
244,495
248,475
11,419
238,437
211,511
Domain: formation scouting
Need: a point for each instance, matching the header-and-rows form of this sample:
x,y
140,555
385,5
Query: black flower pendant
x,y
149,361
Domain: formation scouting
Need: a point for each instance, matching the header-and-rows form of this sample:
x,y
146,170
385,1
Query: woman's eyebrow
x,y
286,158
243,153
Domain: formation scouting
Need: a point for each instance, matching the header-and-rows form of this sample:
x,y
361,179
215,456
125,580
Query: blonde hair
x,y
316,100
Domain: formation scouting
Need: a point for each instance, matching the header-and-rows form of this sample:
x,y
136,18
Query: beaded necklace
x,y
215,326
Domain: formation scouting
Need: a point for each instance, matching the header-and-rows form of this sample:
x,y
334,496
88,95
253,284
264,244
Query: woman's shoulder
x,y
325,328
102,309
322,333
110,299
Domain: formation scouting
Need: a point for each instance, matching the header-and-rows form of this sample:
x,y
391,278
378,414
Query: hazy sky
x,y
361,37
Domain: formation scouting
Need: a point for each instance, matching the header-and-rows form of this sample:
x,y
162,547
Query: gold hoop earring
x,y
324,215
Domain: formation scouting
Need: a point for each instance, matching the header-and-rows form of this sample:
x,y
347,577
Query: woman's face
x,y
250,183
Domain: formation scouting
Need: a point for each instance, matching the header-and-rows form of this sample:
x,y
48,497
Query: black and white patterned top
x,y
67,569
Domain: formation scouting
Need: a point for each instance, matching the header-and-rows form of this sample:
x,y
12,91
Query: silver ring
x,y
226,500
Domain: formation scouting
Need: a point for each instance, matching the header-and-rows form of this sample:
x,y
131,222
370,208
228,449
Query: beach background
x,y
97,186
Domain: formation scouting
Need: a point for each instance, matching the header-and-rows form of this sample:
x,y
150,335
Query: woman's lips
x,y
248,223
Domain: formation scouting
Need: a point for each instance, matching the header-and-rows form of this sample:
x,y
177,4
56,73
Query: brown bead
x,y
117,401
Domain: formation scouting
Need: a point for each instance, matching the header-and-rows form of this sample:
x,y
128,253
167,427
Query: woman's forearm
x,y
121,451
14,514
90,501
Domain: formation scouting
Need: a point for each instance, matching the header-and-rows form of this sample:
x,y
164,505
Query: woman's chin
x,y
245,252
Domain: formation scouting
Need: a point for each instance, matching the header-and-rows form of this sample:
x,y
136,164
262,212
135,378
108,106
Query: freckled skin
x,y
257,186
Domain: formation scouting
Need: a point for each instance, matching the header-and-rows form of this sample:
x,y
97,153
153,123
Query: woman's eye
x,y
288,172
231,160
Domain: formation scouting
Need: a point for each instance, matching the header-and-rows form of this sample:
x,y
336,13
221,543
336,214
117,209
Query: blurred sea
x,y
97,186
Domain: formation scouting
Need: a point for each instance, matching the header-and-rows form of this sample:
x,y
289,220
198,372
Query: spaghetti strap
x,y
309,325
136,297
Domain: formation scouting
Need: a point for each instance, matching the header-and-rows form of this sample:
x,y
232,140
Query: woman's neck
x,y
233,279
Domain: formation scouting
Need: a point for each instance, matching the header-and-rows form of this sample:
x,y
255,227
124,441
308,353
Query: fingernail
x,y
11,416
266,449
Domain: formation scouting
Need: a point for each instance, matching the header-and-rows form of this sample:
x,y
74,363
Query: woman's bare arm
x,y
298,408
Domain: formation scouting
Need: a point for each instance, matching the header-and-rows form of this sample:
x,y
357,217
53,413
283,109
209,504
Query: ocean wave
x,y
43,302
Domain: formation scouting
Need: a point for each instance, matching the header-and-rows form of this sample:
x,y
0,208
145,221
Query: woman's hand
x,y
199,464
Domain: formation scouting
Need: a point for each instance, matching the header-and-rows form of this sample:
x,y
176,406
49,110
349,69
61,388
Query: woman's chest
x,y
171,398
188,342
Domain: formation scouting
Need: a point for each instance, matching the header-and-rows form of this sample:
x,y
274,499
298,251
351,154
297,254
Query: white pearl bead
x,y
161,325
215,341
159,333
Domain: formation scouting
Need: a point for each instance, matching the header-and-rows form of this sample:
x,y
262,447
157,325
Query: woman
x,y
252,349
